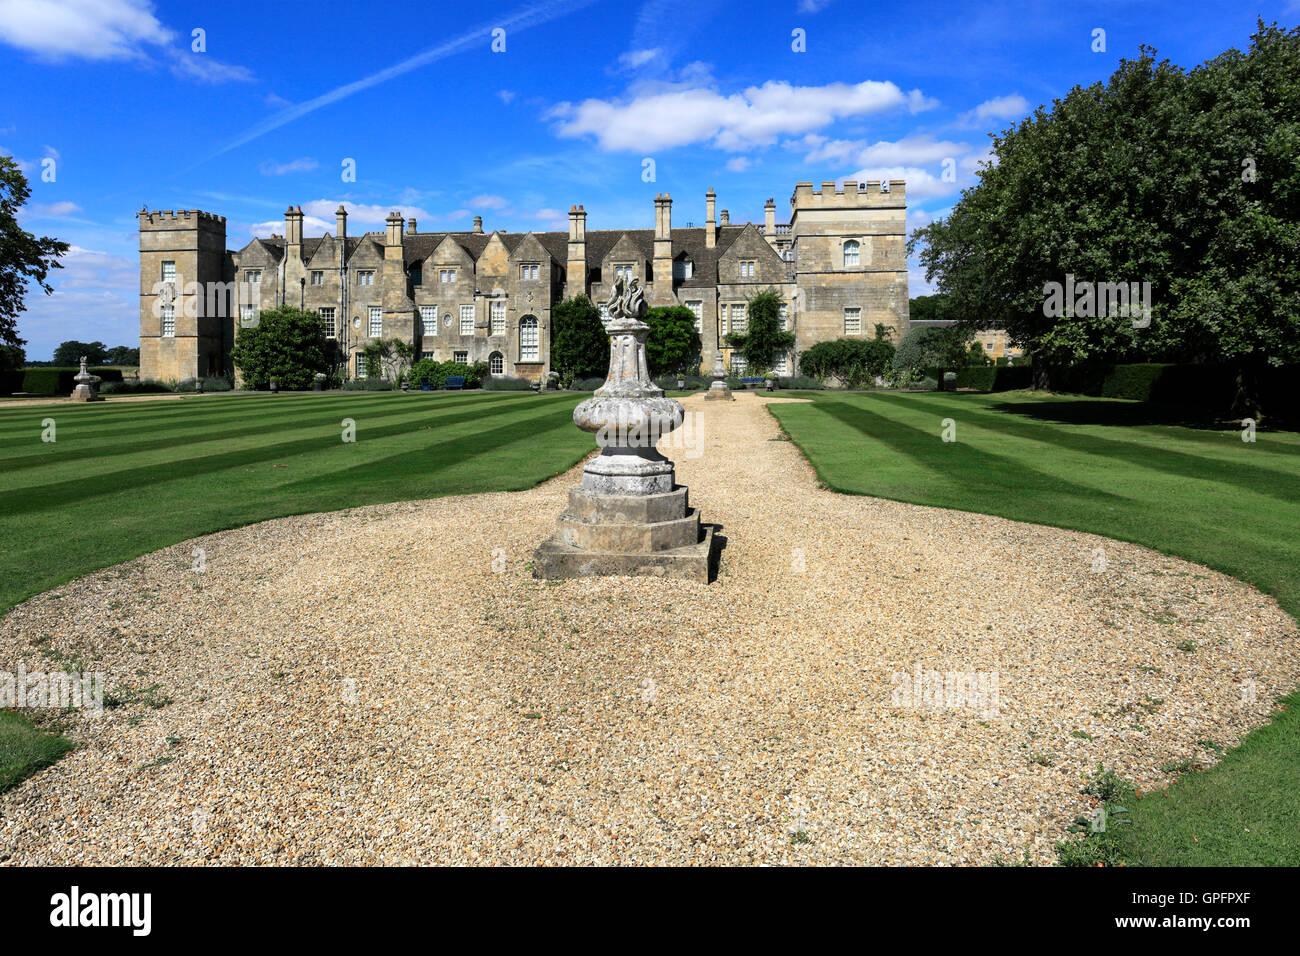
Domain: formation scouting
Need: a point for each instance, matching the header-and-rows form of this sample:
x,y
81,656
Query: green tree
x,y
286,345
762,337
930,346
12,357
388,358
673,345
123,355
927,308
70,353
852,363
579,342
23,257
1183,180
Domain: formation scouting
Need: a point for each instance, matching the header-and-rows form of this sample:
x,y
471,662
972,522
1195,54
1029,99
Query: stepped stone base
x,y
554,559
719,391
655,535
84,393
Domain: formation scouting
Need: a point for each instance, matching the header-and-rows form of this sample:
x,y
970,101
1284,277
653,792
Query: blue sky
x,y
443,128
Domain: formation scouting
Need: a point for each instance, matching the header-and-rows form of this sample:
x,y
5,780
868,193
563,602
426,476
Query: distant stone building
x,y
839,266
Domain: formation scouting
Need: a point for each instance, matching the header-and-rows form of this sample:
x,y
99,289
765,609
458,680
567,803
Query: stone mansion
x,y
839,264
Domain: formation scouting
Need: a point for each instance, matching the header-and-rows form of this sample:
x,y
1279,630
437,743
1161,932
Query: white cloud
x,y
60,30
487,201
754,117
64,208
634,58
303,165
96,297
813,6
916,150
998,108
506,96
739,164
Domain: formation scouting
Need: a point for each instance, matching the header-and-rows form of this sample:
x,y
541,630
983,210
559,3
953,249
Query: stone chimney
x,y
410,225
769,221
393,236
710,226
726,219
663,251
341,221
576,269
293,226
478,225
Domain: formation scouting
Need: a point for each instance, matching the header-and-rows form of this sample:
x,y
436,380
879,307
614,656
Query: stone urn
x,y
629,516
718,390
87,385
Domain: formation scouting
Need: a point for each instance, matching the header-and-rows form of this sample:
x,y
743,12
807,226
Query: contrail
x,y
519,20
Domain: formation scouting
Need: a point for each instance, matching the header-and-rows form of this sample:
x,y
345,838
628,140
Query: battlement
x,y
168,219
852,195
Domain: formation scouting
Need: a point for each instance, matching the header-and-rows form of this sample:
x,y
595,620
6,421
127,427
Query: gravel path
x,y
366,687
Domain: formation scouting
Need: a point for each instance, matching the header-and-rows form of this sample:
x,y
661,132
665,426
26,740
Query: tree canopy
x,y
673,344
286,345
579,343
1187,181
23,257
70,353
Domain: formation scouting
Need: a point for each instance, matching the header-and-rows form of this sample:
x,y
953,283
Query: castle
x,y
839,265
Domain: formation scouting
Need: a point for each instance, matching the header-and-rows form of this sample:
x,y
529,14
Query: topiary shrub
x,y
802,382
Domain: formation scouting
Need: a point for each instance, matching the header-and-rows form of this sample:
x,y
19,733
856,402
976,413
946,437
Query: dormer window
x,y
623,271
683,269
528,270
366,277
251,276
446,275
747,269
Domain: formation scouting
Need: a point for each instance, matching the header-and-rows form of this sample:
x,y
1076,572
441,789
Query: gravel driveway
x,y
390,685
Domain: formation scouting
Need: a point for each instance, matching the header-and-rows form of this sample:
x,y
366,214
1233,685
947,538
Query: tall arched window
x,y
497,363
851,253
529,349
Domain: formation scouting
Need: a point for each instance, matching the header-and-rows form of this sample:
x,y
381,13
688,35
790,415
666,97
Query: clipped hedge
x,y
506,383
52,380
999,378
135,387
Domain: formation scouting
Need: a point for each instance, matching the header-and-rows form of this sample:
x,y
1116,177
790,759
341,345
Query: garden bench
x,y
751,381
454,381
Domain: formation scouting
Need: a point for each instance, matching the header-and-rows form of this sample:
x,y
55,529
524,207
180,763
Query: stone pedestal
x,y
718,390
630,516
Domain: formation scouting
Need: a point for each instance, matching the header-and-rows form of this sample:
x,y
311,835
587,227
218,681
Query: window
x,y
169,320
529,347
428,319
722,319
739,321
446,275
737,363
851,253
624,271
376,322
427,355
252,276
361,366
604,312
780,364
467,320
497,363
683,269
697,308
366,277
327,323
852,321
784,315
461,356
247,313
747,269
528,270
169,271
497,311
317,277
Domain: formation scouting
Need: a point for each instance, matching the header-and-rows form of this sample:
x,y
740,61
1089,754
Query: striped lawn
x,y
124,479
1102,466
